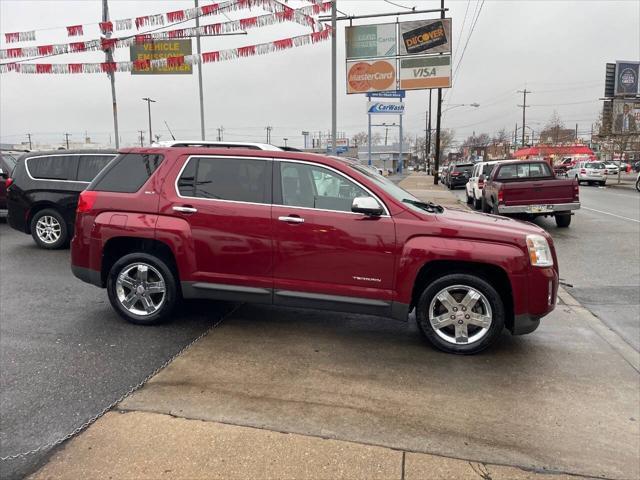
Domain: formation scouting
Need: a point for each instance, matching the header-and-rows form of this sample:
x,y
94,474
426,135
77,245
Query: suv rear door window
x,y
126,173
90,165
56,167
236,179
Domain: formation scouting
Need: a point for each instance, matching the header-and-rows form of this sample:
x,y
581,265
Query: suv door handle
x,y
291,219
185,209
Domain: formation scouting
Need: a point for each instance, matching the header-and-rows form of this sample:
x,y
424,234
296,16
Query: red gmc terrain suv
x,y
305,230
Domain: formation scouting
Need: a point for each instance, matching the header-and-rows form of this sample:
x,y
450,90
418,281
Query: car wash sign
x,y
385,108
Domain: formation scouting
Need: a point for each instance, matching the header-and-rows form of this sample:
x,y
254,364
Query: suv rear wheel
x,y
49,230
460,313
142,289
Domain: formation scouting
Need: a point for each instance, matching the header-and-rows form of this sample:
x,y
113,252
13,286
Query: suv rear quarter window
x,y
126,173
90,165
53,167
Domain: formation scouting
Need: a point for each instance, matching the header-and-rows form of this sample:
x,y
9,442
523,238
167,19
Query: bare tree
x,y
481,140
447,136
501,137
360,138
376,138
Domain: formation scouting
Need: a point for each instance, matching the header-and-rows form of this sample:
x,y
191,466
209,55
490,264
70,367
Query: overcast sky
x,y
556,49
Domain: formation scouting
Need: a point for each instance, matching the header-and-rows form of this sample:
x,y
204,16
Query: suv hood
x,y
484,226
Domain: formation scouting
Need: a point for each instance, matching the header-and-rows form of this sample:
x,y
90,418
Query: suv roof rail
x,y
217,144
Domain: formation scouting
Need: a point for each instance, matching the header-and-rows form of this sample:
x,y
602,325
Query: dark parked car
x,y
458,175
7,162
305,230
43,190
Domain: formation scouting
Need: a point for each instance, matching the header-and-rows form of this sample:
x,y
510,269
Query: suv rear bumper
x,y
551,208
87,275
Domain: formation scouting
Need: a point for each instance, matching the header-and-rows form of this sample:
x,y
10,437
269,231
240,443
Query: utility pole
x,y
334,73
305,134
141,137
66,137
386,134
524,107
149,101
268,129
29,136
220,130
285,141
429,144
576,139
109,57
438,119
199,73
515,137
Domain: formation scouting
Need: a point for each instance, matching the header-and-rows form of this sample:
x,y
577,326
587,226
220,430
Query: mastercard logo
x,y
364,77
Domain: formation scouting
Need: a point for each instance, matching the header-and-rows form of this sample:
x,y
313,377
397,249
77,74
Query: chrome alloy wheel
x,y
140,289
460,314
48,229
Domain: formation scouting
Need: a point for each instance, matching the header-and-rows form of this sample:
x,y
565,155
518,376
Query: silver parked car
x,y
590,172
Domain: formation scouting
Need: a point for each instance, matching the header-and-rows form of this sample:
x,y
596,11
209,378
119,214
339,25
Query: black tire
x,y
638,184
166,305
563,221
477,204
494,208
54,219
469,200
461,279
485,206
602,184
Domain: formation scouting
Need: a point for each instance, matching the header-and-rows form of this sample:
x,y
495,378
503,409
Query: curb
x,y
626,351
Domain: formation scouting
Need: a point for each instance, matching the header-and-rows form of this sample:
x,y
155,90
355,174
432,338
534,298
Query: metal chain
x,y
93,419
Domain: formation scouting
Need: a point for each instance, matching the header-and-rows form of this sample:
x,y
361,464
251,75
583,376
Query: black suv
x,y
42,193
458,175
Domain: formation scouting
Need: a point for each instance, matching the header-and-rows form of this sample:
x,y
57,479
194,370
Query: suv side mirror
x,y
366,205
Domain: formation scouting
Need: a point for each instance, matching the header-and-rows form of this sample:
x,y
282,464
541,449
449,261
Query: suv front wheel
x,y
142,289
460,313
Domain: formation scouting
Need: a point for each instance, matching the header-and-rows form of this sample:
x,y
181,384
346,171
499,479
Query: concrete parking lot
x,y
291,393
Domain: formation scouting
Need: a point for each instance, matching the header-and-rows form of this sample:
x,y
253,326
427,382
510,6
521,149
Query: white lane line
x,y
612,214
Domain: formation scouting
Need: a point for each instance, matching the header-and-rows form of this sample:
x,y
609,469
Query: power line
x,y
398,5
473,27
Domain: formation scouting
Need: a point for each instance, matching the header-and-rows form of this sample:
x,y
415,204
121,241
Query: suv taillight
x,y
583,171
500,196
8,182
576,192
480,183
86,201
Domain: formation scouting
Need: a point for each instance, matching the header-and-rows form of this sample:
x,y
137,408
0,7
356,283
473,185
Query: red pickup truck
x,y
530,188
305,230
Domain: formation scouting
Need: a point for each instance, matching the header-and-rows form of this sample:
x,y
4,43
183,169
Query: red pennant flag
x,y
209,9
108,43
282,44
247,51
142,64
14,52
75,31
77,47
106,27
45,49
108,67
175,16
248,22
75,68
44,68
142,21
175,61
143,38
210,57
213,29
12,37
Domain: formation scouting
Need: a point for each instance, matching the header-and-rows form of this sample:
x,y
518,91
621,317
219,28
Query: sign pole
x,y
199,75
334,73
400,157
369,139
111,75
438,117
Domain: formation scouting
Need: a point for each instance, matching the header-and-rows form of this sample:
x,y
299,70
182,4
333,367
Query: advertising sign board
x,y
425,72
627,78
162,49
371,76
626,116
371,40
385,108
425,36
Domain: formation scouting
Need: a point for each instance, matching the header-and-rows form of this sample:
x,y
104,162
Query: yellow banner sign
x,y
154,50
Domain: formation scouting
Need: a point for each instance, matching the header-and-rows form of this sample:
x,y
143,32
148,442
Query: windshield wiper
x,y
428,206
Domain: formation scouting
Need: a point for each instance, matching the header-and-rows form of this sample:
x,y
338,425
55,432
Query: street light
x,y
285,141
148,100
474,105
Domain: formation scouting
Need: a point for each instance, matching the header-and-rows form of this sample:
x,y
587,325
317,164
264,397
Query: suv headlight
x,y
539,251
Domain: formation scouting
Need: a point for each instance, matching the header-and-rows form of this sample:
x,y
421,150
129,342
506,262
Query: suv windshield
x,y
397,192
463,168
594,165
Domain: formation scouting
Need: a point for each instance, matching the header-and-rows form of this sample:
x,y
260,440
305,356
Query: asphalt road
x,y
64,354
599,254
